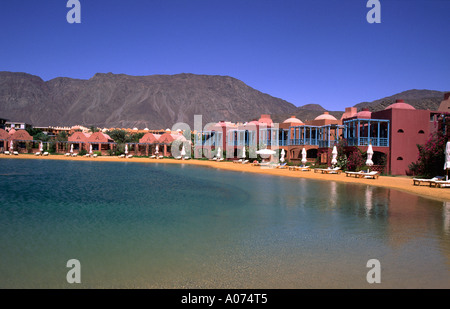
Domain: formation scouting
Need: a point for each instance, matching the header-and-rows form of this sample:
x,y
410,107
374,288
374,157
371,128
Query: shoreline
x,y
400,183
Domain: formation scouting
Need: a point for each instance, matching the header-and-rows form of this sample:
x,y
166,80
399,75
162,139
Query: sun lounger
x,y
282,165
94,155
245,161
441,183
15,153
74,154
129,156
45,154
67,154
213,159
187,158
37,154
220,160
354,174
152,157
336,170
419,181
178,158
161,157
7,153
237,161
370,175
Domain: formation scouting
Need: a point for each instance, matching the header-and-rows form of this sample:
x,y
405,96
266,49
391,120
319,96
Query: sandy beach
x,y
401,183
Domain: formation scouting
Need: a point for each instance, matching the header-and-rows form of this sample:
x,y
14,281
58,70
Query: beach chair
x,y
94,155
37,153
122,156
7,153
74,154
129,156
67,154
245,161
441,183
430,182
15,153
237,161
213,159
152,157
161,157
45,153
370,175
220,160
282,165
354,174
87,155
187,158
178,158
336,170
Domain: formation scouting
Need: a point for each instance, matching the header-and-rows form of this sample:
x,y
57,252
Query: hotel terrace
x,y
393,133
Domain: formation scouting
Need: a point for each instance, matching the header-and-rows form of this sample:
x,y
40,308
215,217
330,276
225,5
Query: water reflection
x,y
369,200
446,217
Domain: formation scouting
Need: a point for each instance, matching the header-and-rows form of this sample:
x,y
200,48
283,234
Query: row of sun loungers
x,y
8,153
241,161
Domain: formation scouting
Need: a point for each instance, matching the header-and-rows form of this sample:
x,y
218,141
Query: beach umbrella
x,y
126,148
369,161
41,147
447,159
71,148
304,156
266,152
156,149
183,151
243,153
11,146
282,155
334,153
90,149
219,153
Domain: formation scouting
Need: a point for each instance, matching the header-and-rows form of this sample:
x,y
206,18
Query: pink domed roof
x,y
365,113
325,116
399,104
293,119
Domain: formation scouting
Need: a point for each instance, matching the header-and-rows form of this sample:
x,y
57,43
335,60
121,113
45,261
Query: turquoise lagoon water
x,y
134,225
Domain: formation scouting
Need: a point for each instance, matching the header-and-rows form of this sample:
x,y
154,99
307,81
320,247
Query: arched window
x,y
399,159
421,132
400,131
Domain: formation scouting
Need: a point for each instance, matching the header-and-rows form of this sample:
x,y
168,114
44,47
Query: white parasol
x,y
369,161
447,158
304,160
334,153
282,155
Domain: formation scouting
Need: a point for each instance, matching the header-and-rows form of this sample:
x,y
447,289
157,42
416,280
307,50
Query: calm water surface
x,y
135,225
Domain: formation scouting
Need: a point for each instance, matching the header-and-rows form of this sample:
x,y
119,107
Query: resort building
x,y
9,125
4,137
21,141
2,123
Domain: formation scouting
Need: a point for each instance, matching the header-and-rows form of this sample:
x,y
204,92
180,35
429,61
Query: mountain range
x,y
157,101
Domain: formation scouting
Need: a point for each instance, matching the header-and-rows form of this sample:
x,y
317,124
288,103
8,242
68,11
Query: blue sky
x,y
315,51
